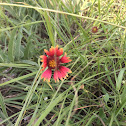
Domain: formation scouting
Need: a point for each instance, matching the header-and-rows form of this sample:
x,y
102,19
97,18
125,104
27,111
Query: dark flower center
x,y
53,62
95,29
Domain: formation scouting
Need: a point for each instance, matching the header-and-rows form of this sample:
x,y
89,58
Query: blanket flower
x,y
53,61
94,29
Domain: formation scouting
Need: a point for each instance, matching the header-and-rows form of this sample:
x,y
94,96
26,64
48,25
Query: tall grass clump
x,y
92,33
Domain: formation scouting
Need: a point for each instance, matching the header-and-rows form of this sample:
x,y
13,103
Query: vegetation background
x,y
94,94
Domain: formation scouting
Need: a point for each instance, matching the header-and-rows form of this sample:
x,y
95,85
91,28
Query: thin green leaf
x,y
18,44
52,104
14,65
11,45
119,79
17,79
2,104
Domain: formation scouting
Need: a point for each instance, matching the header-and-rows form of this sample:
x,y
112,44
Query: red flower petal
x,y
50,52
44,60
64,70
65,59
54,51
44,65
57,75
59,52
47,75
60,75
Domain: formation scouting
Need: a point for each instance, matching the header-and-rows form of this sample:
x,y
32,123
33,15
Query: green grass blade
x,y
11,46
119,79
18,78
2,104
52,104
15,65
18,44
